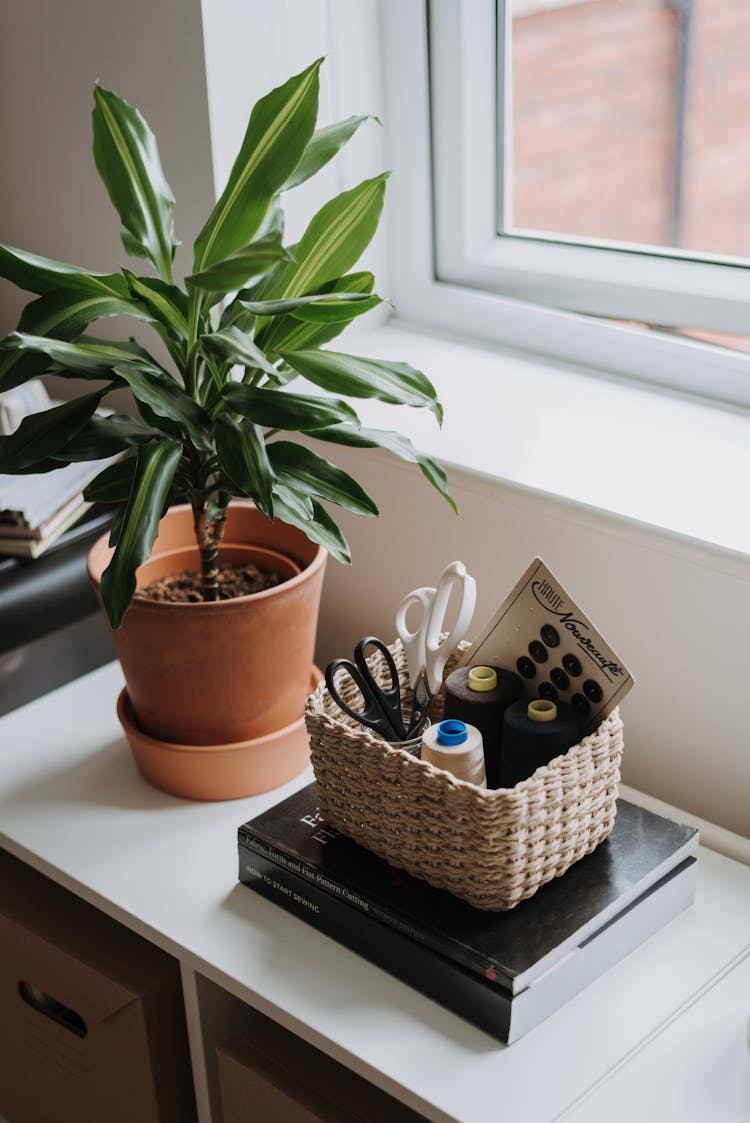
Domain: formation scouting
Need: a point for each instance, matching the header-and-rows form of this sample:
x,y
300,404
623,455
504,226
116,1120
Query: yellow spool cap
x,y
482,678
541,710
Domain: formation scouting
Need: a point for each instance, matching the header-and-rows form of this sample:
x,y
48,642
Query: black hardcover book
x,y
509,949
503,1015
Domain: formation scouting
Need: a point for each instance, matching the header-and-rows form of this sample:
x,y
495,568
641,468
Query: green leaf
x,y
233,346
242,454
168,400
86,359
335,239
323,146
61,314
106,436
321,528
64,314
281,410
127,160
38,274
338,308
155,469
358,377
17,367
280,126
305,471
113,484
325,300
117,524
167,303
299,501
42,435
241,266
394,442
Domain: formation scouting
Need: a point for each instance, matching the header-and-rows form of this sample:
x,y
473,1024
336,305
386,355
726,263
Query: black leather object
x,y
40,595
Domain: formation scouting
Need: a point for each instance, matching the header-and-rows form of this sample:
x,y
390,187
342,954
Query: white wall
x,y
51,53
252,46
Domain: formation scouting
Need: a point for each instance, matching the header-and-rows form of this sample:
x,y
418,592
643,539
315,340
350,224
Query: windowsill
x,y
675,464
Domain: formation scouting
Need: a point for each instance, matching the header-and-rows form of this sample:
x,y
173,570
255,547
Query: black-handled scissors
x,y
382,704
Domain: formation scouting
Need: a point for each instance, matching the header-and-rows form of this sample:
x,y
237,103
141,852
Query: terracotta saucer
x,y
229,771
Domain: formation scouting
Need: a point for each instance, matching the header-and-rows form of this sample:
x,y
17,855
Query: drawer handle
x,y
51,1008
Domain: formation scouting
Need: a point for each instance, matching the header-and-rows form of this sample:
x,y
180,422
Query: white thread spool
x,y
456,747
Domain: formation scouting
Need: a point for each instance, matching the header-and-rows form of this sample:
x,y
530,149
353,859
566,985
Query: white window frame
x,y
451,270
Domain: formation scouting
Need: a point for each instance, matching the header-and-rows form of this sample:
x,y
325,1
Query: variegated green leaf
x,y
166,399
106,436
321,528
85,358
278,409
333,242
241,266
358,377
155,469
166,303
43,274
322,147
337,311
62,314
329,302
113,484
127,160
299,501
243,457
234,347
305,471
394,442
279,129
42,435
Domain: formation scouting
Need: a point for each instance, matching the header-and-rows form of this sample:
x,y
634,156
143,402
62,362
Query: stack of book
x,y
36,509
505,972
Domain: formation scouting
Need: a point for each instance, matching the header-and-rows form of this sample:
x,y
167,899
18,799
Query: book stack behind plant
x,y
38,507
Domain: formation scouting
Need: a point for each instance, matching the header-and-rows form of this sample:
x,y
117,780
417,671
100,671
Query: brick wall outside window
x,y
594,122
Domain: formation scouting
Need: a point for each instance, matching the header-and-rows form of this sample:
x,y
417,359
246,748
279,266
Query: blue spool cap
x,y
452,732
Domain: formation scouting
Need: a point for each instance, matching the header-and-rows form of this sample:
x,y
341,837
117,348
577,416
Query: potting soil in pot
x,y
234,581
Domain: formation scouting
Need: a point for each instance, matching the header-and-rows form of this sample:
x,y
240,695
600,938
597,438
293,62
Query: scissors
x,y
382,705
425,653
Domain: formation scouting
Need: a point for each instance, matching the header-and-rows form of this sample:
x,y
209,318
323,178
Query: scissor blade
x,y
420,705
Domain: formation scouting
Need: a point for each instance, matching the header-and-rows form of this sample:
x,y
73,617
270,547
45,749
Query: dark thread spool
x,y
483,708
530,743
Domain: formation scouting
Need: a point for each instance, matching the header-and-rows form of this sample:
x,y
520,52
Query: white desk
x,y
73,805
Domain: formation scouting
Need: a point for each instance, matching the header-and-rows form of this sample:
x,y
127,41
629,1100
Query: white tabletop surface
x,y
73,805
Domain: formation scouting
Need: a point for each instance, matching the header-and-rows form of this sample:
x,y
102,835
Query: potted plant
x,y
208,474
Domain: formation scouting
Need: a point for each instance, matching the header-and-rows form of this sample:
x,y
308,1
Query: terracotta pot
x,y
232,671
219,771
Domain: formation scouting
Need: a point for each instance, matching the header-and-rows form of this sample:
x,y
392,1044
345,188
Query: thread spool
x,y
480,696
456,747
534,733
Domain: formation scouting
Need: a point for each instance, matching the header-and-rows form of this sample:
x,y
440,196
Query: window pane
x,y
630,123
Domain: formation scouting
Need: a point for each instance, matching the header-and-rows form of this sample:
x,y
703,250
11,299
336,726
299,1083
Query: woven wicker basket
x,y
490,848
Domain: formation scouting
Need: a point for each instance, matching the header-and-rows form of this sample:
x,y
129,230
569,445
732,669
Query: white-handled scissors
x,y
425,653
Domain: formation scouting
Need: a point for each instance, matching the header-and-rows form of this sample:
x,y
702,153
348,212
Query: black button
x,y
548,692
580,704
550,636
592,690
538,651
525,667
572,665
559,678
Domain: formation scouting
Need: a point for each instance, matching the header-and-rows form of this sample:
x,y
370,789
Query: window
x,y
587,159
